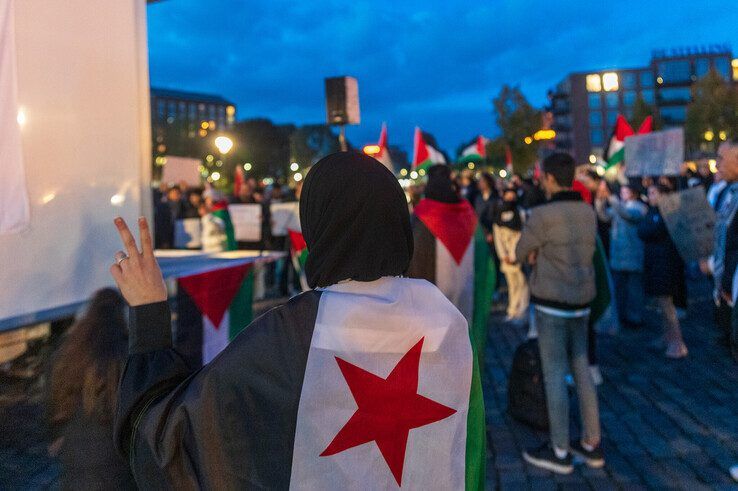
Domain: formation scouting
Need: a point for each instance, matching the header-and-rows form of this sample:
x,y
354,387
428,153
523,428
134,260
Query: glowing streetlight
x,y
294,166
297,177
503,173
223,144
593,159
247,166
372,149
403,172
709,135
413,175
215,176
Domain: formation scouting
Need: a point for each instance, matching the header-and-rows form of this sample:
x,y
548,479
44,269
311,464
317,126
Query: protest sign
x,y
246,220
660,153
178,169
690,221
283,214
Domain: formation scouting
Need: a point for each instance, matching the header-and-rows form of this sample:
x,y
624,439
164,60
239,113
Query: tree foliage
x,y
642,110
714,108
517,119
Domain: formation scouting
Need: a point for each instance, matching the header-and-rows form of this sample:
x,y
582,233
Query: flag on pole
x,y
383,155
476,152
615,150
14,208
223,300
239,180
424,155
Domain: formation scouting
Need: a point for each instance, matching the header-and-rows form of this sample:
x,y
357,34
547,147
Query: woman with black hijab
x,y
451,251
324,392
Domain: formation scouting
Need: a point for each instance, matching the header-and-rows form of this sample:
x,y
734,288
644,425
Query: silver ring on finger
x,y
120,256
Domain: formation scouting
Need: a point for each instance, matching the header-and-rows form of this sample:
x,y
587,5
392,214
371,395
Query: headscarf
x,y
439,186
355,221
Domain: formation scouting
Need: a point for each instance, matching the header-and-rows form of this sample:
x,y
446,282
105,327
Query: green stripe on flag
x,y
485,278
476,432
603,297
616,158
241,309
424,165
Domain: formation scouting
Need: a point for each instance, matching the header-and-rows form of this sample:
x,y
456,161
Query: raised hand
x,y
137,274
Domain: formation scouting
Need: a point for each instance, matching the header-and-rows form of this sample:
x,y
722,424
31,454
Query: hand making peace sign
x,y
137,274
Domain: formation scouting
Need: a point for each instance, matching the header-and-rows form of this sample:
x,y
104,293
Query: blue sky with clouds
x,y
432,63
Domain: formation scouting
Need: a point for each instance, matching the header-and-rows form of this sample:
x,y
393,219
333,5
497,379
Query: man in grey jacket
x,y
558,241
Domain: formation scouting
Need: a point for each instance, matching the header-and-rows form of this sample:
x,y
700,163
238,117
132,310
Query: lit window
x,y
593,83
734,63
610,81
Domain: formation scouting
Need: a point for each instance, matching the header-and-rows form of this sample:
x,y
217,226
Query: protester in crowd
x,y
83,387
558,241
485,202
175,202
626,250
213,229
192,205
468,186
598,189
271,410
508,223
663,273
530,194
450,251
725,251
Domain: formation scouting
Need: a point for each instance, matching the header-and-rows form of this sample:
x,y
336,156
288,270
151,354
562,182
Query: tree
x,y
263,144
496,152
517,119
713,112
642,110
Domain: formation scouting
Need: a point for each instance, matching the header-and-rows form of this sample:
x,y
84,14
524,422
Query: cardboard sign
x,y
246,220
660,153
283,215
690,221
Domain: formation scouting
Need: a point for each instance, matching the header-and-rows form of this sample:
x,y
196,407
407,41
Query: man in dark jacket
x,y
558,241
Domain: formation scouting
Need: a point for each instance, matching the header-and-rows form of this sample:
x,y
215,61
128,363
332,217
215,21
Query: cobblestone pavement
x,y
667,424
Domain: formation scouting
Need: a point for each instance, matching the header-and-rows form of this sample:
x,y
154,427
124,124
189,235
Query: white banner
x,y
14,213
246,219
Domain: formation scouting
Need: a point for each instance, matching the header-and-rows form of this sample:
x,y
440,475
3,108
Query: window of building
x,y
594,83
674,114
211,111
648,96
646,79
161,109
734,64
595,101
611,100
596,138
675,95
722,66
629,98
675,71
595,118
612,116
192,111
171,109
628,80
701,67
610,82
182,106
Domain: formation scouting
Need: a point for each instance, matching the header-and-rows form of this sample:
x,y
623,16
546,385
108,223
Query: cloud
x,y
433,63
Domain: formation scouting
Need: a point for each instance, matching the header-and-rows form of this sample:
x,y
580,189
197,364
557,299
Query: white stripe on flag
x,y
14,212
372,325
214,340
456,281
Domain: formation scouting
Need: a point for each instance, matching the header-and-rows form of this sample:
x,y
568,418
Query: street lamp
x,y
223,144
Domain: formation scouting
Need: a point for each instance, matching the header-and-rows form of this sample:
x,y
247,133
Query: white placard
x,y
283,215
188,233
660,153
246,220
177,169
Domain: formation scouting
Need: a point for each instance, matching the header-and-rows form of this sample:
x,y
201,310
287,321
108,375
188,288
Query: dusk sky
x,y
435,64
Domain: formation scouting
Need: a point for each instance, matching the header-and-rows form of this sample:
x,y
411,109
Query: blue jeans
x,y
563,345
629,297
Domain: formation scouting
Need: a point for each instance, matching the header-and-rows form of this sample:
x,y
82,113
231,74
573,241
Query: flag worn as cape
x,y
213,307
615,150
361,385
424,155
476,152
451,252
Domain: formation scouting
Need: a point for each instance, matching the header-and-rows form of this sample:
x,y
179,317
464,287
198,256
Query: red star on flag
x,y
387,410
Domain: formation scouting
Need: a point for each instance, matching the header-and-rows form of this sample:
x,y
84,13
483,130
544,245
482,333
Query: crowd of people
x,y
540,236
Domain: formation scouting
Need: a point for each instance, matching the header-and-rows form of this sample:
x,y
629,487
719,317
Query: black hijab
x,y
355,221
440,187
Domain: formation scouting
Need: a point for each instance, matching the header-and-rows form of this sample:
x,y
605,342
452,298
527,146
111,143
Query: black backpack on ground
x,y
526,395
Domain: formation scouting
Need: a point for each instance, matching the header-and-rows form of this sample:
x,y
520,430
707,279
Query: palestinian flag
x,y
220,210
451,252
360,385
298,248
615,150
213,307
476,152
425,155
383,155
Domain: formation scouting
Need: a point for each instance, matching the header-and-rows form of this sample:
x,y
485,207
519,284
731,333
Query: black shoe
x,y
594,459
545,458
